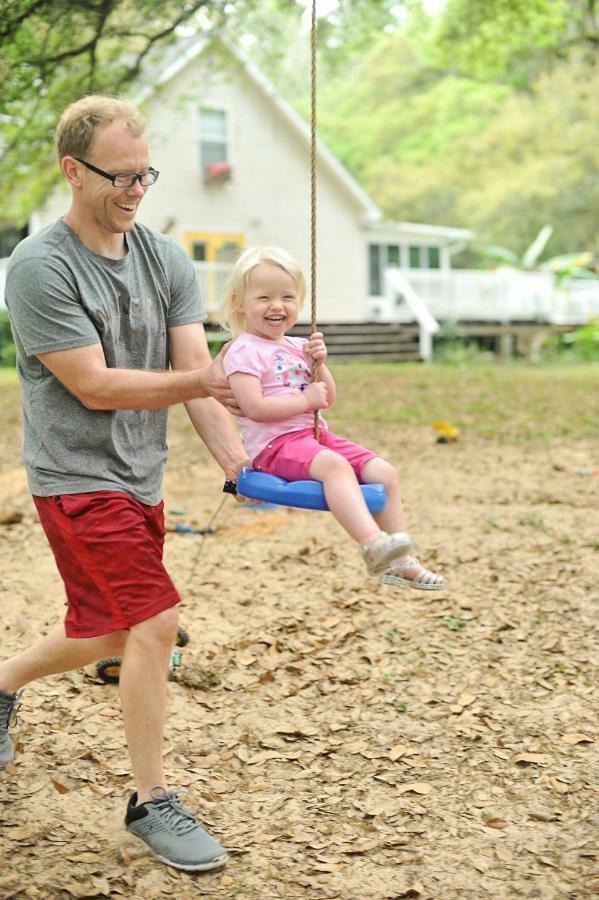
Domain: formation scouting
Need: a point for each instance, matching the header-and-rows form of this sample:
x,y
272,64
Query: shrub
x,y
579,345
8,353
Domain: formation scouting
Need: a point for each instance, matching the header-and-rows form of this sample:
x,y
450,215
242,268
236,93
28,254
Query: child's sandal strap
x,y
410,562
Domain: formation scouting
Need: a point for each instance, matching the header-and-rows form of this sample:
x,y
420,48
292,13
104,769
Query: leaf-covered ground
x,y
342,739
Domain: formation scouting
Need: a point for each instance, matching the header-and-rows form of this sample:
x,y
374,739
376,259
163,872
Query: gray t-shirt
x,y
62,295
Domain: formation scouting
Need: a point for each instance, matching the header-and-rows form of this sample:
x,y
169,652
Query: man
x,y
101,307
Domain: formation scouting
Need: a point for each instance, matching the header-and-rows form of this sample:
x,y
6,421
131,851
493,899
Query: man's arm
x,y
83,371
189,351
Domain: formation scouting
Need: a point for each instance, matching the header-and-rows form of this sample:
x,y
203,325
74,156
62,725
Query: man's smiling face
x,y
114,149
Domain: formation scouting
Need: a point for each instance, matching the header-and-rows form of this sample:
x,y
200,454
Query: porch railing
x,y
213,278
400,293
503,295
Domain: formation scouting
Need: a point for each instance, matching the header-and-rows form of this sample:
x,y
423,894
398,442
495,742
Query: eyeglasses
x,y
124,179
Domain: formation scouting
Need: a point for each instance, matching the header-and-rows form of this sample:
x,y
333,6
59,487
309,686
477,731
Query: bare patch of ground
x,y
342,739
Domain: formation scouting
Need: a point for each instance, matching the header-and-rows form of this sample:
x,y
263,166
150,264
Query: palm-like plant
x,y
568,265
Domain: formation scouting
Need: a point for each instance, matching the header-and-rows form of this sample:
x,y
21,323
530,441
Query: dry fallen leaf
x,y
417,787
362,846
60,786
258,786
466,699
495,822
577,738
397,751
528,759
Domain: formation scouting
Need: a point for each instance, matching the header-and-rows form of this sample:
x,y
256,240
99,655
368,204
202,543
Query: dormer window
x,y
214,149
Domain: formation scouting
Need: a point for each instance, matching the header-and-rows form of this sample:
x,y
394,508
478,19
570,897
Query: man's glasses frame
x,y
124,179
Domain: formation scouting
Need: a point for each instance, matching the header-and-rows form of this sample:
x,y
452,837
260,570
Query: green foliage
x,y
579,345
8,356
503,39
54,51
435,146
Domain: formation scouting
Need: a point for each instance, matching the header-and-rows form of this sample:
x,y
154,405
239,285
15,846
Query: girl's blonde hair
x,y
80,121
231,311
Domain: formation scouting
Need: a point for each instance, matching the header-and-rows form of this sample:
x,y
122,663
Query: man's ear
x,y
70,170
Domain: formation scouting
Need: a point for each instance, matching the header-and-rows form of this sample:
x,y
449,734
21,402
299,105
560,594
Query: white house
x,y
234,162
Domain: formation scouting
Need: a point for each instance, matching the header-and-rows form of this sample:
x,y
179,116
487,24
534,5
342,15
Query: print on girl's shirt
x,y
290,371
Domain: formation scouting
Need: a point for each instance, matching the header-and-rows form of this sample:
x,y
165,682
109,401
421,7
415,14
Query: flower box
x,y
217,172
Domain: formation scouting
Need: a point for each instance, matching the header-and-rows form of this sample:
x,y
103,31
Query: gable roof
x,y
185,51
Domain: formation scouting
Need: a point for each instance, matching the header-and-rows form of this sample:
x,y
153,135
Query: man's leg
x,y
51,655
56,653
142,683
155,814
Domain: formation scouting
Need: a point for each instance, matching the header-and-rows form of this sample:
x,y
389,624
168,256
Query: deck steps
x,y
367,340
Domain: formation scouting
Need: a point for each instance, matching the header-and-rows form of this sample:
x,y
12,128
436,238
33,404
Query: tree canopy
x,y
480,116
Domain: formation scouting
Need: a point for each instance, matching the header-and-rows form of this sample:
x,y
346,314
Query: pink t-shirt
x,y
282,369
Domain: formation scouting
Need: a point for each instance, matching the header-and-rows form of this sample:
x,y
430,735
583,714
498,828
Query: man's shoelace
x,y
11,710
176,815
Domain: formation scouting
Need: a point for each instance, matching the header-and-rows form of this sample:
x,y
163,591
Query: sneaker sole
x,y
204,867
217,863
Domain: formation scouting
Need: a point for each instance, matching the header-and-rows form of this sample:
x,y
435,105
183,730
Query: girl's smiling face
x,y
270,304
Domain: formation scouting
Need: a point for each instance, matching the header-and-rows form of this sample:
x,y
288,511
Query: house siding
x,y
267,199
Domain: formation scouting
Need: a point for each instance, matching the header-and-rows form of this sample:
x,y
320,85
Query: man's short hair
x,y
80,121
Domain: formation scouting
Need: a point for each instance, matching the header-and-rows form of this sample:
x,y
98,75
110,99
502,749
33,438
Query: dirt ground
x,y
342,739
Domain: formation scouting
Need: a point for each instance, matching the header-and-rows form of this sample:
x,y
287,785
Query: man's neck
x,y
104,243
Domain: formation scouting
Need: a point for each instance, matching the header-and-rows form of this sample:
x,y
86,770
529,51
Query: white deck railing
x,y
503,295
401,295
213,277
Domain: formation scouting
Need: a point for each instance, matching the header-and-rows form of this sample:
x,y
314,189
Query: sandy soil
x,y
342,739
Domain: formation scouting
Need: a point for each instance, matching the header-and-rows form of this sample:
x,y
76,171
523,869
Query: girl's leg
x,y
343,495
405,569
347,504
379,471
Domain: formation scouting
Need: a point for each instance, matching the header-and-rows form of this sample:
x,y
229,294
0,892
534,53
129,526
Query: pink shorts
x,y
108,549
289,456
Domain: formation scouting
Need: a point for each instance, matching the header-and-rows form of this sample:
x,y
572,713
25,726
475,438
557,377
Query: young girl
x,y
269,374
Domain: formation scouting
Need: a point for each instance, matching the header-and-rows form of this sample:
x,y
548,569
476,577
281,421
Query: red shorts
x,y
289,456
108,549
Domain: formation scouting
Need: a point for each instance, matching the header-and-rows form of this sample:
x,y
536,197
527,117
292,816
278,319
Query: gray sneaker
x,y
9,705
172,833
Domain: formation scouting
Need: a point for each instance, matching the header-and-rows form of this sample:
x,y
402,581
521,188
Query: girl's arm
x,y
254,405
316,350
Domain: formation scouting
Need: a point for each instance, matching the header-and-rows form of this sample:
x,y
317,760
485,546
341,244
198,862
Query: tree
x,y
514,40
54,51
432,144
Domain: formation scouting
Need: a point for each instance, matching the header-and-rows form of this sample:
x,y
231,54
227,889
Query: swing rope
x,y
269,488
313,161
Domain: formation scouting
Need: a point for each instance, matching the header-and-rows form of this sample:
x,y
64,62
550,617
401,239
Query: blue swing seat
x,y
303,494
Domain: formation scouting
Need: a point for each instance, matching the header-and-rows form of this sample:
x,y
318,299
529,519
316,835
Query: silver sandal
x,y
418,583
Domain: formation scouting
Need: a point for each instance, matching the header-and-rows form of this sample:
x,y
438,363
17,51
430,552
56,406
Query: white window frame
x,y
202,140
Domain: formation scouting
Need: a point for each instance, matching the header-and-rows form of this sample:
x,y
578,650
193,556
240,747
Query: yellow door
x,y
214,253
